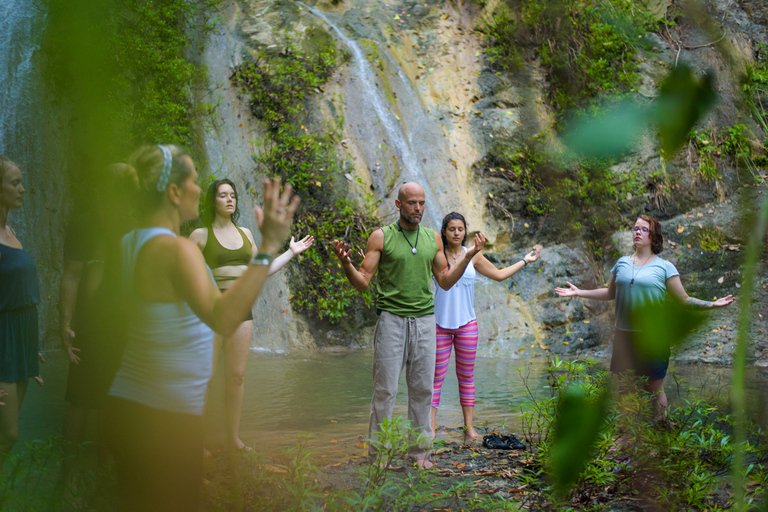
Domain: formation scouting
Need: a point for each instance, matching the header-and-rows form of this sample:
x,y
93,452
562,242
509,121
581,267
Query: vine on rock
x,y
279,86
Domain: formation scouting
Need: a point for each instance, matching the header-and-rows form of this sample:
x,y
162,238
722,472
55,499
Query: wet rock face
x,y
427,63
34,133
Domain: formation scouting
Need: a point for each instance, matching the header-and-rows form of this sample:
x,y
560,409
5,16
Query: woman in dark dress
x,y
19,297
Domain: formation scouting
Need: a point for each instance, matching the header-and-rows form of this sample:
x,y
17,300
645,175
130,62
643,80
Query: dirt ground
x,y
487,471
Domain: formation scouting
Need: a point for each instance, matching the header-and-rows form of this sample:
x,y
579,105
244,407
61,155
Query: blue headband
x,y
165,174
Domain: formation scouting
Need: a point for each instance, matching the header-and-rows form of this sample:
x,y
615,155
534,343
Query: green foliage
x,y
31,481
280,83
711,239
323,289
671,325
586,47
123,71
755,86
153,94
717,148
683,100
249,482
579,420
610,132
381,491
585,195
502,51
679,460
279,86
579,185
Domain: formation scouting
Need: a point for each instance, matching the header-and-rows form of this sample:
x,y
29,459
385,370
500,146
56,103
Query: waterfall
x,y
21,23
412,170
32,135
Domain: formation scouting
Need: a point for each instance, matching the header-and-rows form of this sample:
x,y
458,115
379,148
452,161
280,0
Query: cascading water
x,y
411,169
21,23
31,136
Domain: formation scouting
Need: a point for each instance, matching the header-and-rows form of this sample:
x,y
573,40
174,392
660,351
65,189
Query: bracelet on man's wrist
x,y
263,258
524,262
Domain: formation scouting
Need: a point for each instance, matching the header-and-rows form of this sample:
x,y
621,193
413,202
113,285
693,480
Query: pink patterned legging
x,y
465,340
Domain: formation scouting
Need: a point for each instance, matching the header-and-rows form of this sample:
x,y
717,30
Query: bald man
x,y
406,256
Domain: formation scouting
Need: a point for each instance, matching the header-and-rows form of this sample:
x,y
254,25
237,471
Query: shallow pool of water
x,y
323,399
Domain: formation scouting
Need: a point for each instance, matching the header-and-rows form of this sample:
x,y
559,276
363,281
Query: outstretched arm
x,y
360,279
279,262
294,249
676,290
489,270
608,293
224,312
447,277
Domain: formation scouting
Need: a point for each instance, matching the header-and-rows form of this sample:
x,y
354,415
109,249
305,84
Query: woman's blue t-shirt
x,y
650,287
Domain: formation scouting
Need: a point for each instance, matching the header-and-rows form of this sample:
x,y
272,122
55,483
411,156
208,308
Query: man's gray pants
x,y
409,342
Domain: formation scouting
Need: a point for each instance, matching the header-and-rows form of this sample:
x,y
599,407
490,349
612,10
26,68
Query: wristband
x,y
524,262
263,258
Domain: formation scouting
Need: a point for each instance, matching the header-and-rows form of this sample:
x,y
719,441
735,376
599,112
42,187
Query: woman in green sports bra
x,y
227,249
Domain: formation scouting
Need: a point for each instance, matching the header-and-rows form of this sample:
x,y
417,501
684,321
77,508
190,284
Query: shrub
x,y
586,47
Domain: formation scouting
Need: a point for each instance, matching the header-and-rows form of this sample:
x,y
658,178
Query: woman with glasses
x,y
642,279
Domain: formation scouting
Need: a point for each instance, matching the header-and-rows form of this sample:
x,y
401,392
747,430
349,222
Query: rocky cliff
x,y
445,109
420,99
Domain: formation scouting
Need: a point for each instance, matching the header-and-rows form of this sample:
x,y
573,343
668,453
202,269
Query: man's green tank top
x,y
404,278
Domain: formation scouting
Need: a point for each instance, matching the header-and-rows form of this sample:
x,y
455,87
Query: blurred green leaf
x,y
662,326
580,418
608,134
683,100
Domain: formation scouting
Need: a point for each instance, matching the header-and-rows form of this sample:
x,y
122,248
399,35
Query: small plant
x,y
711,239
716,148
755,86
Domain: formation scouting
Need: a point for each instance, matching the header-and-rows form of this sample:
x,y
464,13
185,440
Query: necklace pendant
x,y
414,251
632,282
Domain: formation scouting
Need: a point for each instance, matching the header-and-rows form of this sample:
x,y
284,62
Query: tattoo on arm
x,y
698,302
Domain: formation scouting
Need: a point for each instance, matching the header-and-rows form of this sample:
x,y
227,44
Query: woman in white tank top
x,y
456,319
154,411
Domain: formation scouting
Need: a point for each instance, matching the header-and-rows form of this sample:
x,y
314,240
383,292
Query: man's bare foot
x,y
423,463
470,431
390,467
